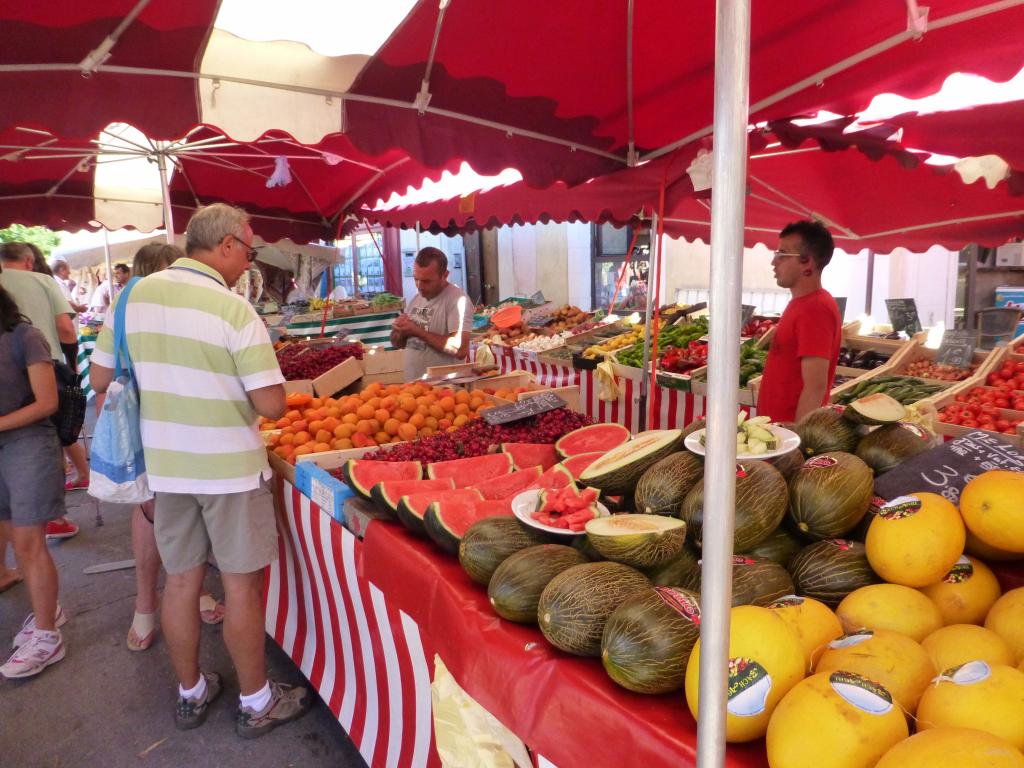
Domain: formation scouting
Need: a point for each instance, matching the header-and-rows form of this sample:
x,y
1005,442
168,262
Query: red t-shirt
x,y
809,327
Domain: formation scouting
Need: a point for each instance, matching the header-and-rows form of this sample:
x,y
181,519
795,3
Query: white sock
x,y
197,692
258,701
47,637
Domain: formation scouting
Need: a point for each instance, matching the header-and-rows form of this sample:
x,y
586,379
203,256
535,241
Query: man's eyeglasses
x,y
250,252
779,255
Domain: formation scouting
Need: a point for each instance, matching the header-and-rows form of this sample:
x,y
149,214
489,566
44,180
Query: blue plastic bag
x,y
117,467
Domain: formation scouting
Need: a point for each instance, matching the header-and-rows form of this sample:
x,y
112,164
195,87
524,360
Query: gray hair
x,y
57,263
211,224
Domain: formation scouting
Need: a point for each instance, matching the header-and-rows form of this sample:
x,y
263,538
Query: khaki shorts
x,y
238,528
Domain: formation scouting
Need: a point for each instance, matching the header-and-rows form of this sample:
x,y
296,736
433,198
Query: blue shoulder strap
x,y
120,335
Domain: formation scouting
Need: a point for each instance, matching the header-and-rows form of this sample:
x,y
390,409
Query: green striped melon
x,y
648,639
829,495
755,581
517,583
779,547
682,571
642,541
663,487
761,501
824,430
622,467
489,542
829,570
575,605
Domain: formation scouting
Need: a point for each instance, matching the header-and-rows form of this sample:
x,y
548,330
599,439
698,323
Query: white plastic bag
x,y
117,467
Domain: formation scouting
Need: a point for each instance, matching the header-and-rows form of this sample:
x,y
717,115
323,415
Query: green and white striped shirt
x,y
197,349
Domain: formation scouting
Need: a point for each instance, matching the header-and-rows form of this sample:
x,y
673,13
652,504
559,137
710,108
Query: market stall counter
x,y
364,620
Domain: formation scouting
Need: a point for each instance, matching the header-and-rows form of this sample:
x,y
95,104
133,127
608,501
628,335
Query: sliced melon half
x,y
875,409
643,541
620,469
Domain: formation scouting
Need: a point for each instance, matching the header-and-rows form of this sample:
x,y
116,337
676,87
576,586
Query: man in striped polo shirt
x,y
206,369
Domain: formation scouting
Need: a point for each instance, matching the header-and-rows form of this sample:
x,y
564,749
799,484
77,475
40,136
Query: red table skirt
x,y
364,619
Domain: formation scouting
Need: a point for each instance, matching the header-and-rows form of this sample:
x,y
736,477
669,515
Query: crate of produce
x,y
906,389
918,360
879,341
321,367
752,360
679,336
570,394
968,408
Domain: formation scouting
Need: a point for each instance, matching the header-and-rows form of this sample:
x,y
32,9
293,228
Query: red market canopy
x,y
575,85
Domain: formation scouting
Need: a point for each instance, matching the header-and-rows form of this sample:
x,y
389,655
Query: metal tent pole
x,y
732,66
165,189
107,261
645,376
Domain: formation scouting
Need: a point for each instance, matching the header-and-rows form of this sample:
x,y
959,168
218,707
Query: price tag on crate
x,y
523,408
747,313
957,348
322,496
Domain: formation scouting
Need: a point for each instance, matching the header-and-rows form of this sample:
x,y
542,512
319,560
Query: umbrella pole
x,y
732,68
645,374
106,260
165,189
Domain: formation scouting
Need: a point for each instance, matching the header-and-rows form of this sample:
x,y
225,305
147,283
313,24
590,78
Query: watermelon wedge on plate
x,y
526,455
506,486
556,477
387,493
413,508
447,519
466,472
363,474
576,464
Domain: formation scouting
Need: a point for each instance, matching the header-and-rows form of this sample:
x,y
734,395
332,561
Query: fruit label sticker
x,y
789,601
914,430
960,572
749,686
877,502
821,462
966,674
854,638
741,560
840,544
680,602
836,407
900,507
862,693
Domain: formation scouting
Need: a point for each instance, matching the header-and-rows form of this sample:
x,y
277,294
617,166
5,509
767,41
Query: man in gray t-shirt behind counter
x,y
434,330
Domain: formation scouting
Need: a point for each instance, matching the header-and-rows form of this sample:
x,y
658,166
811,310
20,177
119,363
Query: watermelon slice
x,y
471,470
556,477
526,455
576,464
507,486
596,437
412,508
363,474
448,519
388,493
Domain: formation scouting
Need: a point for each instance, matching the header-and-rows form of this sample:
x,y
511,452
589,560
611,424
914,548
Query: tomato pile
x,y
1009,378
929,369
757,327
982,407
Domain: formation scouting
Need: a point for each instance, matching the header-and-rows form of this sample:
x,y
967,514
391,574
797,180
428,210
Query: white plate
x,y
790,440
525,504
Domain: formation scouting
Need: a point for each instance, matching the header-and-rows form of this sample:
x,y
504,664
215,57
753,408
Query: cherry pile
x,y
478,437
315,362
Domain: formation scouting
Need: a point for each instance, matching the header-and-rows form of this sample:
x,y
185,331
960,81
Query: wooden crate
x,y
955,430
377,359
984,360
329,382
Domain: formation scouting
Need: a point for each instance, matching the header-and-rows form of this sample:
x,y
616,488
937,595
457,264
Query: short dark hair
x,y
122,267
154,257
431,255
15,251
817,240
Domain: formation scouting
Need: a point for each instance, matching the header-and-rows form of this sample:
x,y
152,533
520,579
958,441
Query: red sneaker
x,y
76,485
61,529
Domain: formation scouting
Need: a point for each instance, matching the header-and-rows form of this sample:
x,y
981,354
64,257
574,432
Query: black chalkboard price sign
x,y
523,408
903,315
841,303
746,312
947,469
957,348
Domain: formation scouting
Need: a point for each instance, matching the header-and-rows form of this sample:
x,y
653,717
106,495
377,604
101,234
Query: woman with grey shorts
x,y
31,483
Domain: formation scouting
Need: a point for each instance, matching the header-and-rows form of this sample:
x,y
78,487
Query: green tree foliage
x,y
45,238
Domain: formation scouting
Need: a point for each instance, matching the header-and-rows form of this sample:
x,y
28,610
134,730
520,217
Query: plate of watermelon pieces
x,y
563,511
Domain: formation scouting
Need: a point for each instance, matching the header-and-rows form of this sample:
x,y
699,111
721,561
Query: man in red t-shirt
x,y
802,359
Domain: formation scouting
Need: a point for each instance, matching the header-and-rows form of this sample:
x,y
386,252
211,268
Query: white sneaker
x,y
29,625
33,657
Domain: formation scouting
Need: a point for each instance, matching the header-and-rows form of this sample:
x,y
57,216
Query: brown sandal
x,y
142,632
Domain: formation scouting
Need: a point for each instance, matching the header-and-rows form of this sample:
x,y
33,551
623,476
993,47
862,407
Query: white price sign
x,y
322,495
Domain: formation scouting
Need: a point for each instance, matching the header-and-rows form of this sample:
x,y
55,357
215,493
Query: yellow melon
x,y
1006,619
957,644
988,697
914,540
889,606
952,748
991,507
834,720
765,661
895,661
966,593
978,548
814,623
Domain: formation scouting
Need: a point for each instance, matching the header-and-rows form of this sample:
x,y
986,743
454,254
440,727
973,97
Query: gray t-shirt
x,y
444,314
20,348
39,299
